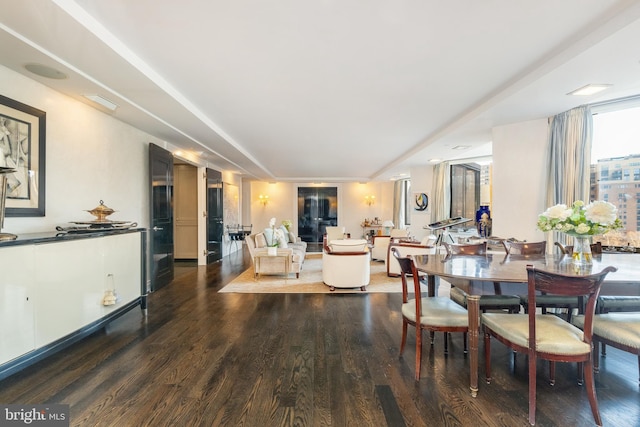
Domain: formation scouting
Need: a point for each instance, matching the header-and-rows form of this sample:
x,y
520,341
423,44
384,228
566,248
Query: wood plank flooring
x,y
202,358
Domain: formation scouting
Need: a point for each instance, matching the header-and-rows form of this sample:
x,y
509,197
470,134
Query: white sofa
x,y
257,244
346,264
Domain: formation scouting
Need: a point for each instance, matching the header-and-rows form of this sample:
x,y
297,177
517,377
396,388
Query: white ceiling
x,y
328,90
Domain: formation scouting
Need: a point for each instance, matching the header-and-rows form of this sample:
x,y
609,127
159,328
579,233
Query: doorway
x,y
317,209
161,204
215,211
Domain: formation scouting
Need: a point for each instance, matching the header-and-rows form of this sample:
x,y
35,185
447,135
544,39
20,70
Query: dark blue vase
x,y
483,223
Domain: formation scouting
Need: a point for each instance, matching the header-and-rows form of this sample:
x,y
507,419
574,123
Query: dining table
x,y
478,275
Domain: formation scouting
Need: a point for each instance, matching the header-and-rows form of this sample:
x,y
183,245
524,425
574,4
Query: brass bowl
x,y
101,212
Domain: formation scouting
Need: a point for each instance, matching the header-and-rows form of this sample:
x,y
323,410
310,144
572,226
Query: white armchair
x,y
346,264
334,233
405,249
380,248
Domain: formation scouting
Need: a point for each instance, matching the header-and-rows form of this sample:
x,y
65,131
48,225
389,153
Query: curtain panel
x,y
441,199
399,203
570,138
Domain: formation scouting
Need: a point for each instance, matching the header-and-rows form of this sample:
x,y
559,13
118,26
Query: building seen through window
x,y
615,172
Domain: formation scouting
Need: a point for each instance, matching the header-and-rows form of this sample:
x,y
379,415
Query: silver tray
x,y
100,224
121,225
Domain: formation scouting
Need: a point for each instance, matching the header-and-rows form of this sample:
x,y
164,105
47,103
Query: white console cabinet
x,y
53,289
72,278
17,275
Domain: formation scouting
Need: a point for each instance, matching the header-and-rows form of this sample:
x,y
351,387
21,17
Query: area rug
x,y
310,281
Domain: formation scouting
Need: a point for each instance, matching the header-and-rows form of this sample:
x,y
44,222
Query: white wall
x,y
90,156
351,201
421,182
519,179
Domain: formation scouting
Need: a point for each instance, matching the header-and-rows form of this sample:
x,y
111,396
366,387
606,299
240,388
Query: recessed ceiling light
x,y
435,160
461,147
45,71
102,101
589,89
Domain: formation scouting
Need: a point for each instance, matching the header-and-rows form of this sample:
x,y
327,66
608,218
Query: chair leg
x,y
532,388
446,343
405,326
604,350
552,373
418,351
487,357
591,392
464,341
596,356
580,373
638,368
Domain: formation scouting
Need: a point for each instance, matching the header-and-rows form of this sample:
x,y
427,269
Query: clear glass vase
x,y
582,250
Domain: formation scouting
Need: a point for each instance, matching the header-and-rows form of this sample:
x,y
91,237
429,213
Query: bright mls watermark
x,y
53,415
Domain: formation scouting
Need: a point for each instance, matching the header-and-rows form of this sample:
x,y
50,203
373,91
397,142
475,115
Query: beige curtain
x,y
570,136
399,202
441,197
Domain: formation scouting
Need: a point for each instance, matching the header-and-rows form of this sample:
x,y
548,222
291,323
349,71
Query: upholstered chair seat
x,y
487,302
553,335
613,303
511,303
619,330
623,328
437,311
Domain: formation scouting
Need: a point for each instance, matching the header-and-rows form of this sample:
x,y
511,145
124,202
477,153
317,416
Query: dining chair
x,y
433,314
546,336
511,303
619,330
596,248
525,248
545,302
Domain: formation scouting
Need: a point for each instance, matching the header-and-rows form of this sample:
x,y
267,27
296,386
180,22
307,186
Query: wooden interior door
x,y
215,212
161,221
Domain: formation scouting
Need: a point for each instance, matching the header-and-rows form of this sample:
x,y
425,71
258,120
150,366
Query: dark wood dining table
x,y
476,275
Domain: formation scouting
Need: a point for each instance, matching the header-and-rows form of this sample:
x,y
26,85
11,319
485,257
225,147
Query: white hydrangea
x,y
600,212
582,229
560,212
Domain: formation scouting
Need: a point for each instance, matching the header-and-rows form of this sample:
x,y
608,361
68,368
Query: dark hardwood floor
x,y
202,358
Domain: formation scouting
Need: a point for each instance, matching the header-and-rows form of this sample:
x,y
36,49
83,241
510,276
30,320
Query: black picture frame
x,y
22,147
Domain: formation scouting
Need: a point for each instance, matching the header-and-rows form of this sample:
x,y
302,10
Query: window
x,y
465,190
615,158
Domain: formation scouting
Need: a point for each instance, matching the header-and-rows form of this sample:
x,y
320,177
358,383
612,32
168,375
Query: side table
x,y
285,256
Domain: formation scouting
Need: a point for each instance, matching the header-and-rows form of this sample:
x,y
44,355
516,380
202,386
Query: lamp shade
x,y
387,223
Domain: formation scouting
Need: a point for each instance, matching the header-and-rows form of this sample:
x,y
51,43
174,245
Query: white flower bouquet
x,y
596,218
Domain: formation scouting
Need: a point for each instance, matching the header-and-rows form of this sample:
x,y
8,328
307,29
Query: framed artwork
x,y
421,201
22,147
